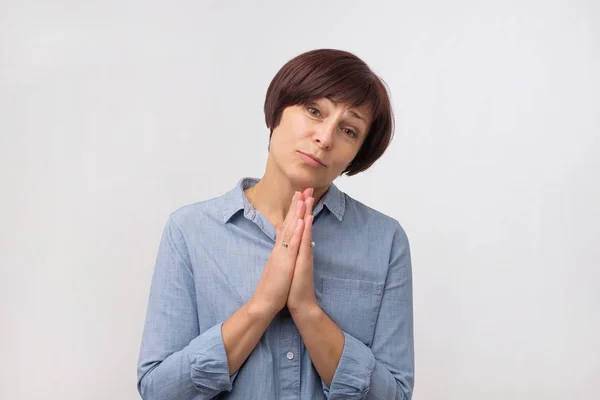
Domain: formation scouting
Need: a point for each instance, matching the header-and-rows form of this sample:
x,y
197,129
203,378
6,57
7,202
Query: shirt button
x,y
290,355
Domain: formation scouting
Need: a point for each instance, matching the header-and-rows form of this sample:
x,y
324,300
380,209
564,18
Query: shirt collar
x,y
235,200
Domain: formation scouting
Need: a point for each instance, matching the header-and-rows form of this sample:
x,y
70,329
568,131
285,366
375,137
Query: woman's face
x,y
314,143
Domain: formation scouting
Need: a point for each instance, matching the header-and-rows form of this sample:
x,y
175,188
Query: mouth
x,y
313,160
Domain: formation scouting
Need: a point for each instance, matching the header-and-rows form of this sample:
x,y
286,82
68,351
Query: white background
x,y
115,113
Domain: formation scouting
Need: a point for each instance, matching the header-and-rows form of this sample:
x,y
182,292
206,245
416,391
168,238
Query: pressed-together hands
x,y
287,280
287,277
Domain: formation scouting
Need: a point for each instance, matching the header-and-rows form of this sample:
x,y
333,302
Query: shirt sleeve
x,y
386,369
176,361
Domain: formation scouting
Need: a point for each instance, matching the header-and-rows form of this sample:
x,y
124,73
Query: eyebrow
x,y
354,113
357,115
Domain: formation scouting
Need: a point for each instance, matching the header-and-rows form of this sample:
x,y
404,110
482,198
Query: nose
x,y
324,136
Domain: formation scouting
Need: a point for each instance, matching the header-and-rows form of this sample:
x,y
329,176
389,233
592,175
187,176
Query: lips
x,y
317,159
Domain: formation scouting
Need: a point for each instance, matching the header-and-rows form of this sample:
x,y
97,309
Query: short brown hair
x,y
344,78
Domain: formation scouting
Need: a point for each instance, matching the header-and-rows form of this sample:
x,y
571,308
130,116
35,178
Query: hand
x,y
302,296
273,288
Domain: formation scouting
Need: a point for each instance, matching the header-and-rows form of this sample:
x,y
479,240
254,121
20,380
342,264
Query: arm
x,y
323,339
242,331
384,371
176,361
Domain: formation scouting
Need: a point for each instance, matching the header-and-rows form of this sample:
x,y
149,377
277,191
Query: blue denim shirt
x,y
209,262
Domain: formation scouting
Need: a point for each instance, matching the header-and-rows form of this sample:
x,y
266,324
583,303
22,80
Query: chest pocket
x,y
352,304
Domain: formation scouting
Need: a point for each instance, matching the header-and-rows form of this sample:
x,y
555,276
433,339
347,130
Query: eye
x,y
349,132
313,111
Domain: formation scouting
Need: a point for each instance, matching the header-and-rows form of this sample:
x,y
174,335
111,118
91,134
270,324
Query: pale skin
x,y
333,133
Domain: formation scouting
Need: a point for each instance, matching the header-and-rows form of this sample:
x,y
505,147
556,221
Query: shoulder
x,y
374,221
191,217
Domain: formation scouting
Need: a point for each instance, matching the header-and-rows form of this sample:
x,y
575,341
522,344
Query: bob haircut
x,y
343,78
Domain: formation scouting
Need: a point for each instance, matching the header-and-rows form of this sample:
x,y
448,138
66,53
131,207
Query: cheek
x,y
292,127
300,127
283,140
350,152
342,160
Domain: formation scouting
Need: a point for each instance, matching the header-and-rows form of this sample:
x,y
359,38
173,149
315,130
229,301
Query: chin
x,y
303,178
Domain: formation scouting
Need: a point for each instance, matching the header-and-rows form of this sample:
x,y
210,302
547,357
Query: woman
x,y
285,287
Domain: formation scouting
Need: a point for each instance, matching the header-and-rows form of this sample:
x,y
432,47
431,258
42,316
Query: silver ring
x,y
312,244
285,244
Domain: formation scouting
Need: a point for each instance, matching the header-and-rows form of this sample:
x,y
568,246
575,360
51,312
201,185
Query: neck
x,y
273,194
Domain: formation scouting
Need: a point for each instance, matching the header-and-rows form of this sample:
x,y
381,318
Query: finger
x,y
290,214
288,230
294,244
287,226
309,206
308,192
305,250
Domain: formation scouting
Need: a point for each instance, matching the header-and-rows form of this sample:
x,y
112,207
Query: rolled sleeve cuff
x,y
352,378
209,366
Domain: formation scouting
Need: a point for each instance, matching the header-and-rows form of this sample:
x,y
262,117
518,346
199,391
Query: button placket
x,y
289,345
